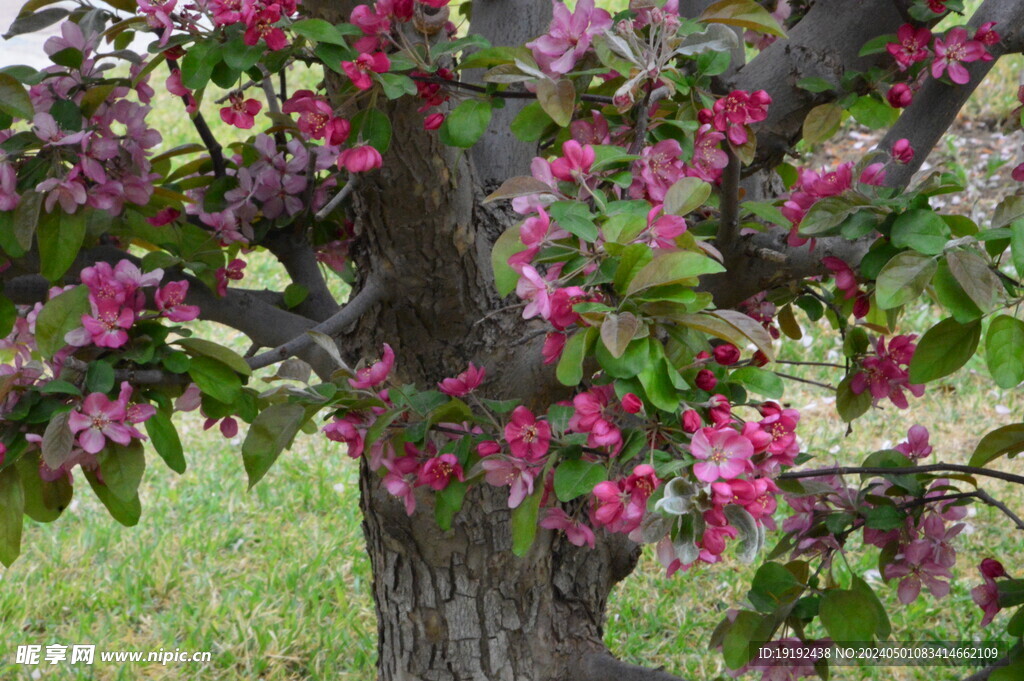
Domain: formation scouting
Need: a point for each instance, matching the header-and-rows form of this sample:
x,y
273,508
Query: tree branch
x,y
133,376
296,254
605,667
372,292
728,228
211,143
908,470
937,104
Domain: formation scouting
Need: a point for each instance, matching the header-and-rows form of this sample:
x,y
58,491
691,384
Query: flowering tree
x,y
573,240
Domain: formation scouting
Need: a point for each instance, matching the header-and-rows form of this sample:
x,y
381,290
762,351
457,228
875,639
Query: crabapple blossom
x,y
527,437
575,531
952,52
569,35
465,383
723,453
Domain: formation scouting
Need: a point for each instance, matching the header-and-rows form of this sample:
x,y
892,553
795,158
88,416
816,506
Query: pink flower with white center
x,y
575,163
438,471
170,300
916,567
9,198
536,291
225,11
376,373
902,152
614,507
568,37
911,46
349,430
517,474
952,53
575,531
233,272
780,424
359,71
314,112
732,113
109,328
98,420
527,437
240,112
662,230
657,169
723,453
916,446
262,26
465,383
360,159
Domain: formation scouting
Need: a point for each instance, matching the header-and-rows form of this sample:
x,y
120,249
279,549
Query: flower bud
x,y
691,421
992,568
727,354
706,380
632,404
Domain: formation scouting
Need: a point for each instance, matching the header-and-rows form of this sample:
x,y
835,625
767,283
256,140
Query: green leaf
x,y
976,278
765,383
122,468
575,218
876,45
575,478
671,267
815,84
374,127
166,442
44,501
197,347
59,316
943,349
12,510
1004,351
240,56
873,112
827,215
657,381
903,279
294,294
320,31
633,258
99,377
448,502
466,123
558,99
845,618
850,405
26,218
822,122
489,56
270,433
743,13
1008,440
125,512
952,296
507,245
57,441
617,331
396,85
922,230
570,366
884,518
773,586
864,590
740,642
215,379
198,63
1017,246
524,523
686,195
530,123
14,99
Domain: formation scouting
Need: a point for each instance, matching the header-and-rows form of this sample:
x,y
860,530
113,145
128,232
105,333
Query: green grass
x,y
275,582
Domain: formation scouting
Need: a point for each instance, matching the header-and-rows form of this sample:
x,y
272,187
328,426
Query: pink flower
x,y
916,446
691,421
170,300
536,291
376,373
397,480
359,70
554,343
915,567
527,437
232,272
723,453
9,198
575,162
262,26
884,373
900,96
99,419
517,474
240,113
873,175
158,16
662,230
433,121
657,169
732,113
464,383
69,191
706,380
902,152
576,532
108,328
992,568
438,471
360,159
953,52
348,431
986,36
632,404
569,35
620,505
912,45
986,597
164,216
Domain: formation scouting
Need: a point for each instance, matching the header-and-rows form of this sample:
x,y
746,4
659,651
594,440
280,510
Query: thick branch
x,y
372,292
296,254
728,228
937,104
604,667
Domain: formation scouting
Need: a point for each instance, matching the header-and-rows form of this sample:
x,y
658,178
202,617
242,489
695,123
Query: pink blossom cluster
x,y
258,16
812,186
733,114
102,163
949,53
99,419
986,595
569,36
885,373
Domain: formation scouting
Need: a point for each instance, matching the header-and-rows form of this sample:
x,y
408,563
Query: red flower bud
x,y
992,568
631,403
760,359
706,380
691,421
727,354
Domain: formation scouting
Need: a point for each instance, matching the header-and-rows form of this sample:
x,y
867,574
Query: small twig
x,y
211,143
810,364
350,185
991,501
498,311
806,380
586,97
133,376
907,470
640,129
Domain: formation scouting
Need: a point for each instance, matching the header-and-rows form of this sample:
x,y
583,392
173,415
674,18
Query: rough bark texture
x,y
458,606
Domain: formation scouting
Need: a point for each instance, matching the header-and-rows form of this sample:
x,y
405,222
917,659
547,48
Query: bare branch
x,y
372,292
908,470
211,143
507,94
133,376
296,254
350,184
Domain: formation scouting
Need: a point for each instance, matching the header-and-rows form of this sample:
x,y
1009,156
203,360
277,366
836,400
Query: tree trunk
x,y
459,606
